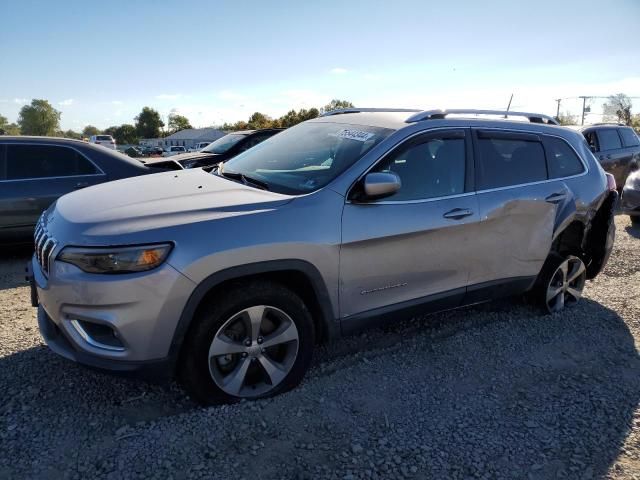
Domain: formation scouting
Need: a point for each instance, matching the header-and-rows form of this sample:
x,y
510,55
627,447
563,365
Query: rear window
x,y
609,139
104,137
43,161
562,159
629,137
504,162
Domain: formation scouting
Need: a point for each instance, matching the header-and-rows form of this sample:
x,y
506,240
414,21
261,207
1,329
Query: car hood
x,y
151,202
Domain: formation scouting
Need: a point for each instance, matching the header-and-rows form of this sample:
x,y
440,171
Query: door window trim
x,y
39,144
406,142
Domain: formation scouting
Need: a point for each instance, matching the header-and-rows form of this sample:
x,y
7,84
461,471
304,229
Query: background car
x,y
617,148
35,171
103,140
198,147
221,150
134,152
174,150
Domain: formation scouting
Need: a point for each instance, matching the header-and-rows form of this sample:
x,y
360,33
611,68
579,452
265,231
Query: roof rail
x,y
440,114
359,110
617,124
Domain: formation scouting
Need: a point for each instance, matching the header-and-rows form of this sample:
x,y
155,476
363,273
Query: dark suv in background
x,y
617,148
35,171
221,150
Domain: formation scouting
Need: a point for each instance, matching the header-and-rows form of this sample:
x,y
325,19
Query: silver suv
x,y
228,279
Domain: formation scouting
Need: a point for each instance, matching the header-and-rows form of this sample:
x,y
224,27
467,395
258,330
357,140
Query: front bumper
x,y
141,310
58,342
630,203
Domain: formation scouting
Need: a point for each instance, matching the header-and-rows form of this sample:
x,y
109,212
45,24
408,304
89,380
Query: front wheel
x,y
250,342
560,283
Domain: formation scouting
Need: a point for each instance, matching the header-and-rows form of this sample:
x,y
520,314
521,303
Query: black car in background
x,y
221,150
36,171
617,148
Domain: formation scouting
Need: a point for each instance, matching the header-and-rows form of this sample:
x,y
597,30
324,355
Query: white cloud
x,y
67,102
231,95
338,71
168,96
20,100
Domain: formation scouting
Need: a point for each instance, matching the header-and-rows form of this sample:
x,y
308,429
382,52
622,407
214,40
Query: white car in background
x,y
104,140
199,146
175,150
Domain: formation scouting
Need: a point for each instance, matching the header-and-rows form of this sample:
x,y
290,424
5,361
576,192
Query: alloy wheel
x,y
566,285
253,351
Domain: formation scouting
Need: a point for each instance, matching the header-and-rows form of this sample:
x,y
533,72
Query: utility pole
x,y
558,109
584,106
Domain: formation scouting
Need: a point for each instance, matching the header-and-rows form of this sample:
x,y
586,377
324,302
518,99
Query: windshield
x,y
225,143
306,157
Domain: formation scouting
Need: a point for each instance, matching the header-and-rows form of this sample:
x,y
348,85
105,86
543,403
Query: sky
x,y
217,61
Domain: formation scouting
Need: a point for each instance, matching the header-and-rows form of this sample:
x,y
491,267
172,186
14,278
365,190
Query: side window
x,y
609,139
562,159
592,141
3,164
428,169
253,141
506,161
629,137
42,161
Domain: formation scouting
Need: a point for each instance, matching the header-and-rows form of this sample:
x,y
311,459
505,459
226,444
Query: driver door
x,y
413,247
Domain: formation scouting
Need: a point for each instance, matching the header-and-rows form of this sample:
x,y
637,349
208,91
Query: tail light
x,y
611,182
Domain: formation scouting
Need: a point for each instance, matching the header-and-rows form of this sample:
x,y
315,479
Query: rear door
x,y
35,176
413,246
518,206
611,155
631,149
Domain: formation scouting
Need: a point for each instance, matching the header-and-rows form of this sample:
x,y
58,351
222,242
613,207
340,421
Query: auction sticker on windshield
x,y
350,134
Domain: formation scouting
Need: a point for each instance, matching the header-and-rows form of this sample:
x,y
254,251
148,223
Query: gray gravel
x,y
496,391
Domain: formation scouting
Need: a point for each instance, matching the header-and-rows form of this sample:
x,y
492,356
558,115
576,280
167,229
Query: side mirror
x,y
381,184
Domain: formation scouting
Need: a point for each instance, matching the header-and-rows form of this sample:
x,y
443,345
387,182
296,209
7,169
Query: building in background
x,y
187,138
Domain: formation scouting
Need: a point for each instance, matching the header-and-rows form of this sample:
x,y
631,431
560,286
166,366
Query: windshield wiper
x,y
245,179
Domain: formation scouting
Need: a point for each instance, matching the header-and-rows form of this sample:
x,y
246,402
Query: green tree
x,y
148,123
72,134
259,120
618,105
111,131
178,122
567,119
126,134
336,104
90,130
39,118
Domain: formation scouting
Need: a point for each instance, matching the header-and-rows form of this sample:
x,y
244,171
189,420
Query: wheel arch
x,y
300,276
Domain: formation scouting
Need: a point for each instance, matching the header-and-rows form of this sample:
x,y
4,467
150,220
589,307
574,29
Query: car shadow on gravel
x,y
495,389
13,261
633,231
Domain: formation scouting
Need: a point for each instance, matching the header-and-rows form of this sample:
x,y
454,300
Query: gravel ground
x,y
496,391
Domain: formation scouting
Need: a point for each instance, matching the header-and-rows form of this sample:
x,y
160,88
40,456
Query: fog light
x,y
98,335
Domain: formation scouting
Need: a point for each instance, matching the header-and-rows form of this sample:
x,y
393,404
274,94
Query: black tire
x,y
193,368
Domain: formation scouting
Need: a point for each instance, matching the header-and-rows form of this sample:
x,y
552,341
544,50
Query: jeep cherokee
x,y
228,279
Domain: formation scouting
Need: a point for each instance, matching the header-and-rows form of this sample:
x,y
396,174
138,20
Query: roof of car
x,y
249,132
400,118
32,138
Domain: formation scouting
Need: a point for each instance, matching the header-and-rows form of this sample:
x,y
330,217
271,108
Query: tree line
x,y
41,118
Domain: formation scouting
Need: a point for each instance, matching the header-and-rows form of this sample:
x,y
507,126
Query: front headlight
x,y
116,259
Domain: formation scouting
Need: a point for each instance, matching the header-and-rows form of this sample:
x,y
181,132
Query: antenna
x,y
508,106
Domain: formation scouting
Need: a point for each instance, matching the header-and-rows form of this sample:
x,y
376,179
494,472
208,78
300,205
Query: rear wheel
x,y
251,342
560,283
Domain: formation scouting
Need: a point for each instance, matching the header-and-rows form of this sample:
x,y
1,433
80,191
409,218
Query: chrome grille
x,y
44,245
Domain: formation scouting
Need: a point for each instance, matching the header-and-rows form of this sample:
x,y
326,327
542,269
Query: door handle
x,y
458,213
80,185
556,197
